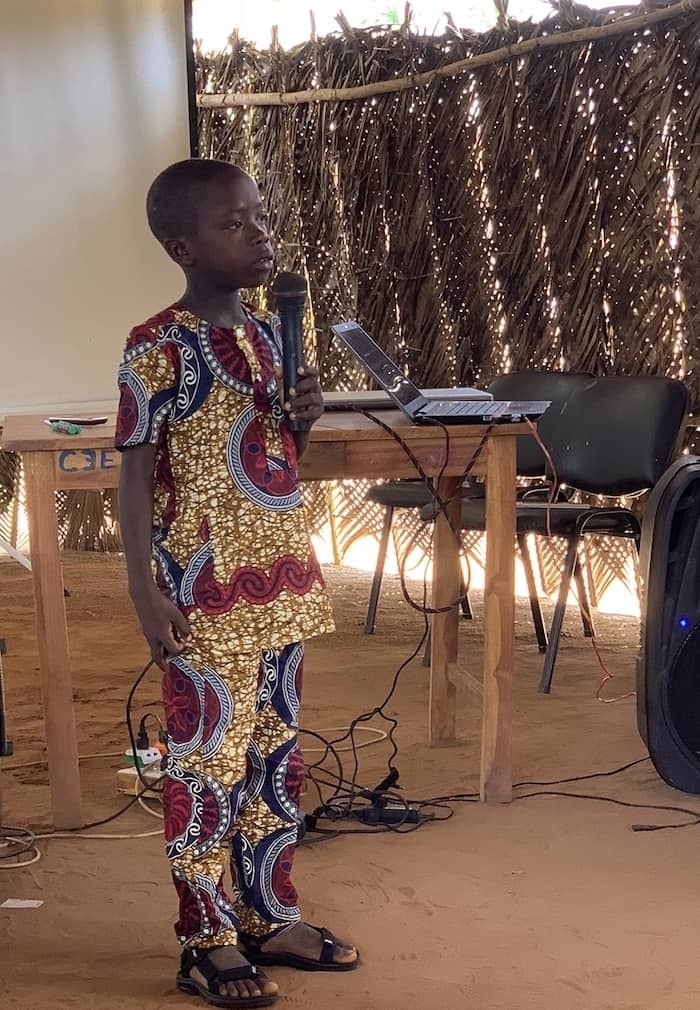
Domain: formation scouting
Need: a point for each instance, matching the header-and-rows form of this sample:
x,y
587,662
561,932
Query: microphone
x,y
290,294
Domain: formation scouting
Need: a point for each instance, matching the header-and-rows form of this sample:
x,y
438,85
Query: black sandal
x,y
198,957
252,948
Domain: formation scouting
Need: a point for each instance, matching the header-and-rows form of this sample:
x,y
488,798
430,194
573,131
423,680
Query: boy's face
x,y
231,246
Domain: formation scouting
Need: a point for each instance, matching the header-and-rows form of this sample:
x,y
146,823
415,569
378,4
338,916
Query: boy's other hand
x,y
305,401
165,629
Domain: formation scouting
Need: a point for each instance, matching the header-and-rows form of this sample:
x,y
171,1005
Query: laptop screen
x,y
387,374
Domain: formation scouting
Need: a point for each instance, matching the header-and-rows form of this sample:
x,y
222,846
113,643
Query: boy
x,y
209,490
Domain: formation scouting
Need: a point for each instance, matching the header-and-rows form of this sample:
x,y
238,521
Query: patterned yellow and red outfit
x,y
232,550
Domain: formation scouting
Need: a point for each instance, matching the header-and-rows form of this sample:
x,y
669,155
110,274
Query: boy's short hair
x,y
175,196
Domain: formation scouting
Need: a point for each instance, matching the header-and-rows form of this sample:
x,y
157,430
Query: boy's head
x,y
209,218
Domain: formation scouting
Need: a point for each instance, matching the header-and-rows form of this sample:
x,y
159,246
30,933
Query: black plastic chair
x,y
393,495
613,437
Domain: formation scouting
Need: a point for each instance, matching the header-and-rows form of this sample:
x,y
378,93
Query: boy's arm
x,y
165,628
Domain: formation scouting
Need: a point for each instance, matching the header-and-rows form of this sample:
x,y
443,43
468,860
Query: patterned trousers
x,y
230,799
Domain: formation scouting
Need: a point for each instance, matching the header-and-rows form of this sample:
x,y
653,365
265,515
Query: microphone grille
x,y
289,284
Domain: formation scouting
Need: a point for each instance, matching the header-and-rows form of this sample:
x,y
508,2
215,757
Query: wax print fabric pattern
x,y
231,548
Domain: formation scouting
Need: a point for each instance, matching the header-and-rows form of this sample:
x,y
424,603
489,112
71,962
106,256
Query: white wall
x,y
93,104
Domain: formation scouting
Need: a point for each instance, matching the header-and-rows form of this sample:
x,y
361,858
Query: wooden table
x,y
343,446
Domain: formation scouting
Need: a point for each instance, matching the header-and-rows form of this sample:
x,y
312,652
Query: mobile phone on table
x,y
84,422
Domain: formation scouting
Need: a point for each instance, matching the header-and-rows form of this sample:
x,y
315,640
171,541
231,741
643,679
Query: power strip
x,y
128,781
391,812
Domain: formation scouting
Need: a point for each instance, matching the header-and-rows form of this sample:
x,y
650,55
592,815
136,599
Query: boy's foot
x,y
226,958
302,946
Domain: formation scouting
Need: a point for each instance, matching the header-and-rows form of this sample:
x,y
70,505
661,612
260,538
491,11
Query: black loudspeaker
x,y
668,665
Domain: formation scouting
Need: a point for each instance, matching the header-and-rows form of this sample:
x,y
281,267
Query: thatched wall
x,y
540,212
543,211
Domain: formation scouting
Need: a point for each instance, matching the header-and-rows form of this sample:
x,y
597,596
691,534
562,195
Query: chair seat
x,y
401,494
414,494
564,518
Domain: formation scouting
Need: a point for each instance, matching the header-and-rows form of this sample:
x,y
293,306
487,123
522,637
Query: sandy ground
x,y
548,902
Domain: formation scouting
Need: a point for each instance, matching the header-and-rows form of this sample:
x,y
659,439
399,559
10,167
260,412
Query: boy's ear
x,y
178,249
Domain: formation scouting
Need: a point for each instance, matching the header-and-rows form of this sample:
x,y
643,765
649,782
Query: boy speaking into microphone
x,y
210,502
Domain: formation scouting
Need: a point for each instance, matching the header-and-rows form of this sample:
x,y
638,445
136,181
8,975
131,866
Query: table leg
x,y
54,660
499,621
446,590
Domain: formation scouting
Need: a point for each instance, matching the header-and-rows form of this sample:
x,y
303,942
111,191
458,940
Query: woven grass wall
x,y
541,211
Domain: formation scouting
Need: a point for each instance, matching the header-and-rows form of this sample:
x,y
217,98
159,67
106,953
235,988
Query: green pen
x,y
65,427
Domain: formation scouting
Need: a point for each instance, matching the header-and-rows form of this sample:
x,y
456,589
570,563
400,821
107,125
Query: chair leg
x,y
535,608
584,604
465,602
558,619
379,571
635,563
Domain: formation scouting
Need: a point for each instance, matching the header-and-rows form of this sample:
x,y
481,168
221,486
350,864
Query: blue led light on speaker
x,y
683,622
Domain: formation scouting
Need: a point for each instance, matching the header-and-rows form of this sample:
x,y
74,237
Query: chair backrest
x,y
616,435
531,385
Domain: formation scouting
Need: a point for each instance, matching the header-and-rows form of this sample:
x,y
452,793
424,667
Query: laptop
x,y
422,409
377,399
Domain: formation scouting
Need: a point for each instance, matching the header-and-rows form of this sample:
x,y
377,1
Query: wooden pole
x,y
330,505
445,627
620,26
52,635
499,620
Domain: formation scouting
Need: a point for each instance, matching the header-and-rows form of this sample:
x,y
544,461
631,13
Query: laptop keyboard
x,y
510,410
480,408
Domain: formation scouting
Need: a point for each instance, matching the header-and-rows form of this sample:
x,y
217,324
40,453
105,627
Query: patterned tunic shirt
x,y
230,537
